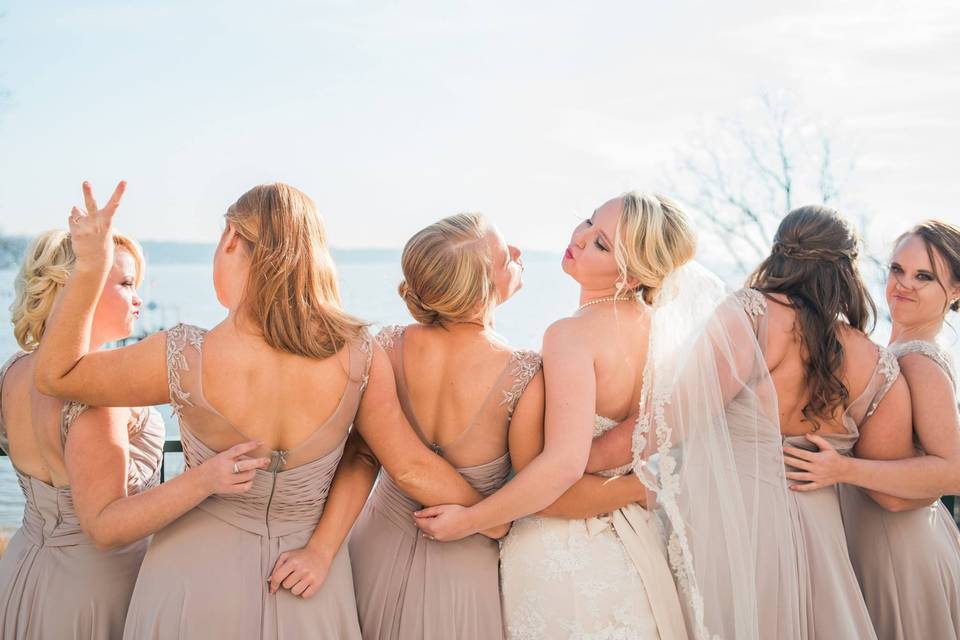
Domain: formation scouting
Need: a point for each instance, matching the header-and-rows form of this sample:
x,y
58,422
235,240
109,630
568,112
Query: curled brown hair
x,y
291,294
943,238
814,264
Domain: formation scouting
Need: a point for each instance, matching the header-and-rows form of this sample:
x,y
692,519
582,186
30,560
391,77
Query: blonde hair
x,y
46,266
447,272
653,238
291,294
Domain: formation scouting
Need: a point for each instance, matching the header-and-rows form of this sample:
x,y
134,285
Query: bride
x,y
605,576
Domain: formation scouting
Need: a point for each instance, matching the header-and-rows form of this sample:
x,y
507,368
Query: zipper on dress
x,y
277,458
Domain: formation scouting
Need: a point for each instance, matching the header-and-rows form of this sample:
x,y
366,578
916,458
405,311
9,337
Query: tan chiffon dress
x,y
832,605
205,575
409,587
54,583
908,563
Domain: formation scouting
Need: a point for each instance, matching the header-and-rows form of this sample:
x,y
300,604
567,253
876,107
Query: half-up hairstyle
x,y
46,266
291,294
814,264
447,272
943,238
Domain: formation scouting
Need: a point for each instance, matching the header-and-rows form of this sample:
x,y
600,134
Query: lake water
x,y
184,293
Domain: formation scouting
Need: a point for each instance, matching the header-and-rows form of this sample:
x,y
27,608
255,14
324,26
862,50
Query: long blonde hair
x,y
291,294
653,238
447,272
46,266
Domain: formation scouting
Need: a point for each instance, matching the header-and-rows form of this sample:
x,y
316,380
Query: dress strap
x,y
524,366
179,337
753,302
391,339
365,347
931,350
4,444
884,375
390,336
68,415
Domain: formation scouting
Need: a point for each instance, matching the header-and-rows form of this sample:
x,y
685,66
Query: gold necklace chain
x,y
607,299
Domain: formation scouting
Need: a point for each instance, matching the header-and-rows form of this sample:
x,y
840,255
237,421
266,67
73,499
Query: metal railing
x,y
175,446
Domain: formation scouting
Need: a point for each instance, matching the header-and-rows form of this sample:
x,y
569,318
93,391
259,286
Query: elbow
x,y
410,478
104,538
893,504
567,475
44,382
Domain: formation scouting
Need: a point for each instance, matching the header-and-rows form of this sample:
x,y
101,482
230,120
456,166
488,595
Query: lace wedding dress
x,y
603,578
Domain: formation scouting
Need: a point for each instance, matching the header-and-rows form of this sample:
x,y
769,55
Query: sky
x,y
391,115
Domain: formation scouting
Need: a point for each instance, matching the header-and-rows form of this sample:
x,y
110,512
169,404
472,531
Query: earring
x,y
621,284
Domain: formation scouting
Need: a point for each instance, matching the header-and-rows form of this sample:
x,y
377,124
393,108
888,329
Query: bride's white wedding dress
x,y
603,578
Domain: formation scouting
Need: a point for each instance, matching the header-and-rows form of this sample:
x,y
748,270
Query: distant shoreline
x,y
172,252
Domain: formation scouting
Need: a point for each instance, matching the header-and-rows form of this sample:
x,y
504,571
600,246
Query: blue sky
x,y
391,115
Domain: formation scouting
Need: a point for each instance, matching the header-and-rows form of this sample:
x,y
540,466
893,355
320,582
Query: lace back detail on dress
x,y
930,350
752,301
887,369
524,365
365,347
178,337
388,336
68,415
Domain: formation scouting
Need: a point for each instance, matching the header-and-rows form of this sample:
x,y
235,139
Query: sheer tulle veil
x,y
708,417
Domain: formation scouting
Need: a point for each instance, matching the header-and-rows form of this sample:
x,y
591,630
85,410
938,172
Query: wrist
x,y
471,522
321,549
848,470
204,477
91,267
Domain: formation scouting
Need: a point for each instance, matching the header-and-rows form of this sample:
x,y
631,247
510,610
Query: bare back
x,y
458,388
31,424
618,338
232,387
784,353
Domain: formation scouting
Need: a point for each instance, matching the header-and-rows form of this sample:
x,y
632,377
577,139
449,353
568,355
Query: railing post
x,y
169,446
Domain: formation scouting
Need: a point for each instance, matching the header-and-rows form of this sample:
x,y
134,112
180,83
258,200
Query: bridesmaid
x,y
463,391
830,380
904,544
89,475
289,367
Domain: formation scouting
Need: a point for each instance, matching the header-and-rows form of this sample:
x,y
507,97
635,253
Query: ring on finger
x,y
236,468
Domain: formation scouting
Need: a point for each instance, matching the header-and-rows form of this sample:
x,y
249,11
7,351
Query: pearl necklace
x,y
607,299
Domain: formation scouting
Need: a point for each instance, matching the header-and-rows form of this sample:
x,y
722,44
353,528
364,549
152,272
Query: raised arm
x,y
418,472
590,495
907,480
125,377
96,456
570,384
